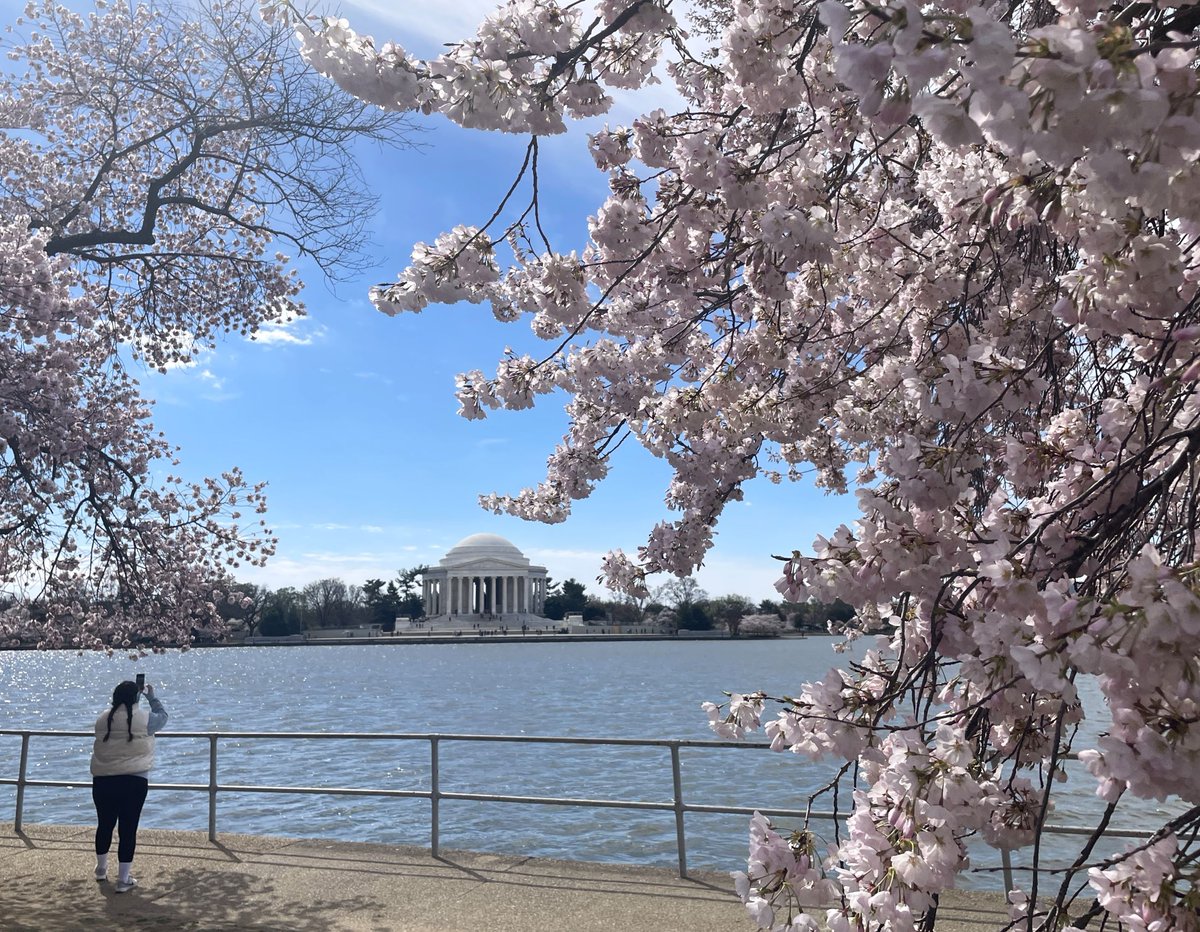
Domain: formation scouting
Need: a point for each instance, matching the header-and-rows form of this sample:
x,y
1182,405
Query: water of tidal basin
x,y
649,689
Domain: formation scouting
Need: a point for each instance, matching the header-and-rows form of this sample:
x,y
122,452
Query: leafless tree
x,y
326,601
181,148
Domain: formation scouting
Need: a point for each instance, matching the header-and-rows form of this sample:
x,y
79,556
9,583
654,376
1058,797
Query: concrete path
x,y
246,882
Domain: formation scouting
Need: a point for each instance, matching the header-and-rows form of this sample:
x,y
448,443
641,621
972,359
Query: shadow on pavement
x,y
178,900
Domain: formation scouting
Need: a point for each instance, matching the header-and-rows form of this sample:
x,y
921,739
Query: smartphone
x,y
141,682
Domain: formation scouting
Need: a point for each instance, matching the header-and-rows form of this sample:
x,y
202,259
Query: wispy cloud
x,y
214,387
302,568
442,22
357,528
298,332
548,553
373,377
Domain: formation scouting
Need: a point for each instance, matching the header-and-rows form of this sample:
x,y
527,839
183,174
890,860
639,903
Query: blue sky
x,y
349,415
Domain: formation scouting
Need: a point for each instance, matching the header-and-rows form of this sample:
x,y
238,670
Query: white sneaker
x,y
124,886
101,875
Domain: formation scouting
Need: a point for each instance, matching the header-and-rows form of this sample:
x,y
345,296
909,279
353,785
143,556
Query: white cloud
x,y
298,571
753,577
294,333
214,387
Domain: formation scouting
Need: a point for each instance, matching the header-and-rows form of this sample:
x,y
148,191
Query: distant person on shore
x,y
122,756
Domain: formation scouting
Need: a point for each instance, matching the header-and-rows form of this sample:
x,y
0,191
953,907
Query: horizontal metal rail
x,y
435,794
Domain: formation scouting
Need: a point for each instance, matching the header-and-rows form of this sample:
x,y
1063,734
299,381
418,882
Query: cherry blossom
x,y
153,165
942,256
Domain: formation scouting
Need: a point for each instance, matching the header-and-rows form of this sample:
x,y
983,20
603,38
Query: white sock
x,y
101,862
125,871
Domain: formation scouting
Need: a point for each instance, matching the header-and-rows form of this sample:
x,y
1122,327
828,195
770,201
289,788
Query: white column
x,y
437,597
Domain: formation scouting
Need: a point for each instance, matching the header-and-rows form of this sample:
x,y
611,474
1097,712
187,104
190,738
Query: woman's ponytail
x,y
124,695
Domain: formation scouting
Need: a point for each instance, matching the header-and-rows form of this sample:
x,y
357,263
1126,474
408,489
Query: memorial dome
x,y
483,547
485,576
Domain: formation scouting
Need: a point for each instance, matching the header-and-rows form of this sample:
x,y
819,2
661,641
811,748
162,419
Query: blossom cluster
x,y
946,257
70,543
152,160
1143,889
528,67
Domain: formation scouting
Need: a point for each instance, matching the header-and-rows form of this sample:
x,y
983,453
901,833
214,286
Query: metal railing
x,y
435,794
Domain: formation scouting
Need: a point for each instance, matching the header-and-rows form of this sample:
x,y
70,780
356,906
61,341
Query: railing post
x,y
212,787
680,838
1006,863
19,815
434,796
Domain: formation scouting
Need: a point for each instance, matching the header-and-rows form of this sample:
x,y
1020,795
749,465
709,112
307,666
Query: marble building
x,y
484,575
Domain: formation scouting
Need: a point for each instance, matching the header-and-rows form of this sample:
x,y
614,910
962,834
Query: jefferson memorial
x,y
484,576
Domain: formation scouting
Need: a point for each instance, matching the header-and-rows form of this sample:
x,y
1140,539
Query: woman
x,y
122,756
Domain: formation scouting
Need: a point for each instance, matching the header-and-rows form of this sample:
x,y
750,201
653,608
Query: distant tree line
x,y
680,604
325,603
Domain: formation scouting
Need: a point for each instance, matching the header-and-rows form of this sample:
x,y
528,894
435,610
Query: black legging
x,y
118,799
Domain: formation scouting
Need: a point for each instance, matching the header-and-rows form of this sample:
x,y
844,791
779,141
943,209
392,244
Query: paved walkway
x,y
246,882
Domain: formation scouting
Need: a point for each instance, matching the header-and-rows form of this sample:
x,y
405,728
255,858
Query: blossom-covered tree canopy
x,y
148,163
945,255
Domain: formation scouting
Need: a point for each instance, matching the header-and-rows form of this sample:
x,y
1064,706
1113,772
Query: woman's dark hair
x,y
125,694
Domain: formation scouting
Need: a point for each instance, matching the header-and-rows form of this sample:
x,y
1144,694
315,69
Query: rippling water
x,y
647,689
